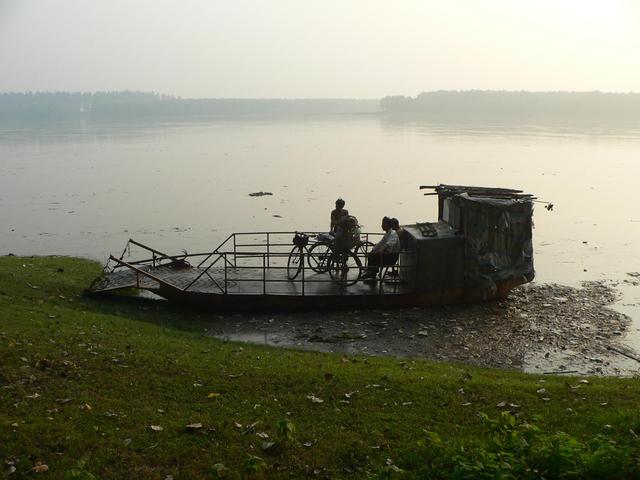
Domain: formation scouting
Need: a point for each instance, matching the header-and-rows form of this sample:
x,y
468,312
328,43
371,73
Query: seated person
x,y
385,252
347,233
339,213
402,233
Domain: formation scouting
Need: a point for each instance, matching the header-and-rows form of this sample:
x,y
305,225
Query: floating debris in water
x,y
260,194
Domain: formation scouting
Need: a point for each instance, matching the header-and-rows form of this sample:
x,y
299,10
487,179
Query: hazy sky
x,y
304,48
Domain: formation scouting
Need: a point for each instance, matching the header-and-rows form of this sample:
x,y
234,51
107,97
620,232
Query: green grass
x,y
83,379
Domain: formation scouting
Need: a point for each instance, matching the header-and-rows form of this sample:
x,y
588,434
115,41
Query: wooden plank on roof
x,y
477,191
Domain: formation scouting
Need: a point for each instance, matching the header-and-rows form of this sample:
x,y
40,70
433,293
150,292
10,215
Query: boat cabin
x,y
482,238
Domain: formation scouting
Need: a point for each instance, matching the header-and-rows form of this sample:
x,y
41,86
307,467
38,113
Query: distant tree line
x,y
51,105
509,103
47,106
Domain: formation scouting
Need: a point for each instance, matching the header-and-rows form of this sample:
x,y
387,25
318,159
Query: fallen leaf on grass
x,y
541,390
314,399
220,469
214,395
501,404
40,467
156,428
267,445
308,444
250,428
43,364
262,434
194,426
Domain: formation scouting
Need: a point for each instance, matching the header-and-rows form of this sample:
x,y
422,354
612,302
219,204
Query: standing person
x,y
337,214
347,233
385,252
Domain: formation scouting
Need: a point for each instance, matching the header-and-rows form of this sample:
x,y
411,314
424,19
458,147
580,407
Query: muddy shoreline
x,y
541,328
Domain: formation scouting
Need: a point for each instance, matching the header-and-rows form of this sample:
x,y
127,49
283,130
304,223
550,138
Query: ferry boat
x,y
478,249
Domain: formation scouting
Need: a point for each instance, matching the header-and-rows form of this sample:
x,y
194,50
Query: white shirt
x,y
390,243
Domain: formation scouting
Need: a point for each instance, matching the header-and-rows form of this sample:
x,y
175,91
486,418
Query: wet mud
x,y
539,328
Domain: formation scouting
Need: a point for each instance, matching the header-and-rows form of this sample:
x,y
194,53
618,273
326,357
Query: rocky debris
x,y
260,194
635,278
539,328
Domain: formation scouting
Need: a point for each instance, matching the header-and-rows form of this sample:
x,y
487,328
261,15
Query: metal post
x,y
268,245
225,273
302,260
264,276
235,261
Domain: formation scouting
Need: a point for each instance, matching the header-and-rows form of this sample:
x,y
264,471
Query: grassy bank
x,y
107,389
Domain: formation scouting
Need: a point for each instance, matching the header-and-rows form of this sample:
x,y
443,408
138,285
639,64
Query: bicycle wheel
x,y
345,268
318,257
363,249
294,264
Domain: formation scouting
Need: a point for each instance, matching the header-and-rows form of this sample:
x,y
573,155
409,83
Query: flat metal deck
x,y
243,281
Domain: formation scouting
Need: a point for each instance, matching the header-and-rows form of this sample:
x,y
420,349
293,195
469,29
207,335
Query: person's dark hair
x,y
395,224
340,203
387,221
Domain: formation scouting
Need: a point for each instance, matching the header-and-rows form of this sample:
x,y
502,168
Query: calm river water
x,y
85,188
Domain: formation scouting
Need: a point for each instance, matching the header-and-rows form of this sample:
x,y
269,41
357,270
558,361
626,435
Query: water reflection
x,y
540,126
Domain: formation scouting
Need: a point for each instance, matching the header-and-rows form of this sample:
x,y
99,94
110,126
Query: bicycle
x,y
296,257
318,255
344,266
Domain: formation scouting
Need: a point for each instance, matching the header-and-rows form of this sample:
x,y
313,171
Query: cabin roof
x,y
445,191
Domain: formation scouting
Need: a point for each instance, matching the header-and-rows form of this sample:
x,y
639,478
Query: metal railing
x,y
251,258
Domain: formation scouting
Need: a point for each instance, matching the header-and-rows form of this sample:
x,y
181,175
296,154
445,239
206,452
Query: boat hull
x,y
245,302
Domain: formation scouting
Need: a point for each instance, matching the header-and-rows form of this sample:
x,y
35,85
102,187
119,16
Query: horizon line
x,y
179,97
